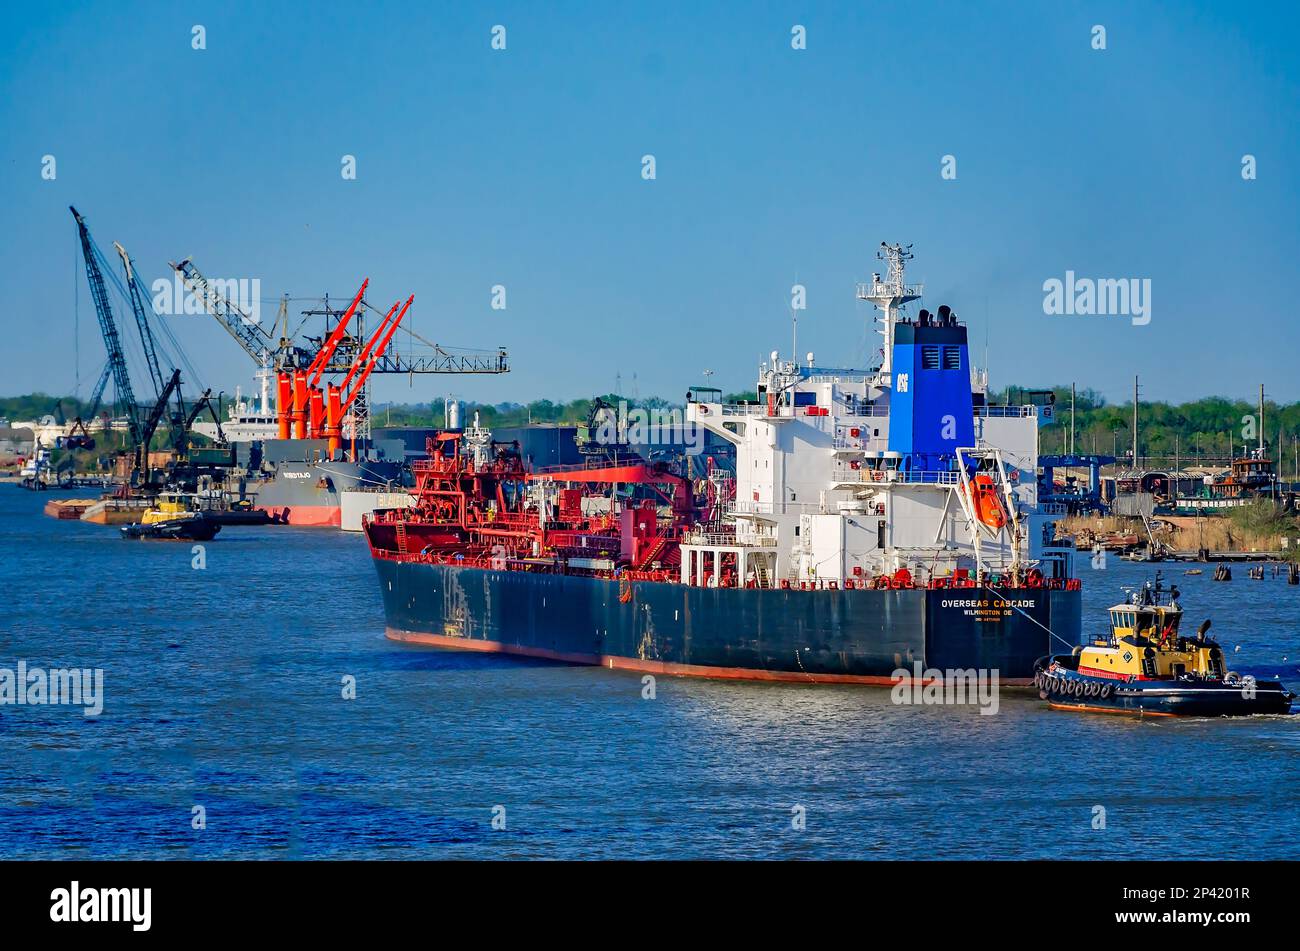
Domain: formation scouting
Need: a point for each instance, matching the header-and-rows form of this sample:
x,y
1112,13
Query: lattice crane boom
x,y
108,327
247,332
141,320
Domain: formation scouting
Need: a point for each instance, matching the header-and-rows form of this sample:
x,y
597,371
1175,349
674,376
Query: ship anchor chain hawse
x,y
875,517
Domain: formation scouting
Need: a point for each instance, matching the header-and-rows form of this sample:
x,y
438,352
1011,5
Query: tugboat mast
x,y
890,294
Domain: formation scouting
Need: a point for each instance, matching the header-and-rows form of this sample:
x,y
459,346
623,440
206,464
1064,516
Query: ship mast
x,y
890,294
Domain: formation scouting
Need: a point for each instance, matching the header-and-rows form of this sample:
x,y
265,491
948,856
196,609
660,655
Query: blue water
x,y
224,690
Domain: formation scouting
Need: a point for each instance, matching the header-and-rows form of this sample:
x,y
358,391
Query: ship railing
x,y
751,409
841,407
873,289
864,443
776,508
1006,411
844,408
741,540
895,476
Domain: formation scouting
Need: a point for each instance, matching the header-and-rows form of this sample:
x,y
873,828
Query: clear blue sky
x,y
522,168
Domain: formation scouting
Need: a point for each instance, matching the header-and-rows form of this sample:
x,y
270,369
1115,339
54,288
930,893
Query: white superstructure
x,y
826,493
245,421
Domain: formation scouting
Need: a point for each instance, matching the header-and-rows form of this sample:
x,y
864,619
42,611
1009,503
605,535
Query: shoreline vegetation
x,y
1259,526
1213,426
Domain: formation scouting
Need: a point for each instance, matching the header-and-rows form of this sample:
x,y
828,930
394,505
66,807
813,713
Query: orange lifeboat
x,y
986,503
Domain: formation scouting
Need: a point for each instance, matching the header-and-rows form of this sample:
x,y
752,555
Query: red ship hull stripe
x,y
1109,674
613,662
311,516
1131,711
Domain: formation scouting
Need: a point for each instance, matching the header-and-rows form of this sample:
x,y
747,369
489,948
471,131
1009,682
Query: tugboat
x,y
1146,667
174,518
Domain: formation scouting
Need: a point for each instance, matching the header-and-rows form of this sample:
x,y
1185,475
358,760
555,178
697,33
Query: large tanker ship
x,y
879,524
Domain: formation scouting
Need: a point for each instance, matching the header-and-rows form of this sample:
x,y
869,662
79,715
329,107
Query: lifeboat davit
x,y
986,503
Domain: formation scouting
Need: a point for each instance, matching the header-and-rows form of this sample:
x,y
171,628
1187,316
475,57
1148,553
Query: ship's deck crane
x,y
323,358
338,404
306,411
300,409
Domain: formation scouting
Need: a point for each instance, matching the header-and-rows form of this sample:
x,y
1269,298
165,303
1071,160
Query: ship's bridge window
x,y
929,358
951,358
1124,618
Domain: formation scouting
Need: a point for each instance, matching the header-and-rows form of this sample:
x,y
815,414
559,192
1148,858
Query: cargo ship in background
x,y
876,524
302,481
301,459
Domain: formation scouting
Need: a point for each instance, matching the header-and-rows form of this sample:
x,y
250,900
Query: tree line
x,y
1211,427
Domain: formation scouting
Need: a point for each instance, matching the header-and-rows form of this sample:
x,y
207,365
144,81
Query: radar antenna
x,y
890,293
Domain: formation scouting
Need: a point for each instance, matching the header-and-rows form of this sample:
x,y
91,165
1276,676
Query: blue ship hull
x,y
855,636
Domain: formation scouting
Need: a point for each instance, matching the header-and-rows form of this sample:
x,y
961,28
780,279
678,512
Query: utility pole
x,y
1261,420
1071,419
1135,422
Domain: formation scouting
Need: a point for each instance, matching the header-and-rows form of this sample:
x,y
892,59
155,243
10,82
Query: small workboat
x,y
1145,666
173,517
